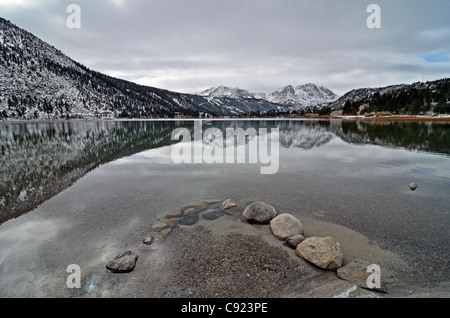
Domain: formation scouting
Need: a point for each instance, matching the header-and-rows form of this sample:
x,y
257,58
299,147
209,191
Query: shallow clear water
x,y
111,178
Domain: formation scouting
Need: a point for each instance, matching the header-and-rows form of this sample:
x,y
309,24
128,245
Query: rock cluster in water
x,y
323,252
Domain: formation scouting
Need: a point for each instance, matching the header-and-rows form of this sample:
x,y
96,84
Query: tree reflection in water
x,y
40,159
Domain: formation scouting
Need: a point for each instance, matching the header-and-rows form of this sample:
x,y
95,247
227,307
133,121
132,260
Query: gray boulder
x,y
356,273
323,252
259,213
122,263
286,225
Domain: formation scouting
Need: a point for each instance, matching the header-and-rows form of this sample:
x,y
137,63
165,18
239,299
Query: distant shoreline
x,y
392,118
417,118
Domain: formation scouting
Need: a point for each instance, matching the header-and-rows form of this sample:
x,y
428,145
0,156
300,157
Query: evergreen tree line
x,y
19,105
321,111
412,101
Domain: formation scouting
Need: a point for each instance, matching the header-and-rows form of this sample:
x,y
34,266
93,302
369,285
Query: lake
x,y
66,185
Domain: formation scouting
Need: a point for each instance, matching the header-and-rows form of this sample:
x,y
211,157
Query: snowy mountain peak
x,y
302,95
225,91
299,96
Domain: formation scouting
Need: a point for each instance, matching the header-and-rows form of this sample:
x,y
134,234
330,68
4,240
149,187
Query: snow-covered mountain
x,y
356,95
224,91
304,95
297,97
419,97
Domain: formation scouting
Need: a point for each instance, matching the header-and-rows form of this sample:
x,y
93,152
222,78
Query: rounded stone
x,y
294,240
228,204
188,219
122,263
212,214
148,240
413,186
259,213
356,272
323,252
286,225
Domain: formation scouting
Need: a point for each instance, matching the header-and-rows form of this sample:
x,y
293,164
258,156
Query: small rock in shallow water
x,y
189,219
148,240
172,222
413,186
286,225
294,240
122,263
228,204
324,252
356,273
212,214
165,232
259,213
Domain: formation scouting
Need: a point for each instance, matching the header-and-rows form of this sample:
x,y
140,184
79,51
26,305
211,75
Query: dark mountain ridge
x,y
39,81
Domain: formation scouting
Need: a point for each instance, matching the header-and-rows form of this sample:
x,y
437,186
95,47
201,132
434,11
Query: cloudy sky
x,y
259,45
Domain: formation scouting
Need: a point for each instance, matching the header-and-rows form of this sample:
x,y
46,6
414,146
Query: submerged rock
x,y
212,214
286,225
323,252
122,263
356,273
189,219
172,222
148,240
159,226
193,208
174,214
228,204
165,232
259,213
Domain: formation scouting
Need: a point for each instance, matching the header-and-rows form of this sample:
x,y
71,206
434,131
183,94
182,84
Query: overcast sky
x,y
259,45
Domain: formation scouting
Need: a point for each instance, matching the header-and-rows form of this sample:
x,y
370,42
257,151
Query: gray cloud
x,y
261,45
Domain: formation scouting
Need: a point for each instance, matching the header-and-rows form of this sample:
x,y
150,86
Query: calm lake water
x,y
68,184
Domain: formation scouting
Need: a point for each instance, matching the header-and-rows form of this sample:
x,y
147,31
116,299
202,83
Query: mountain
x,y
359,94
39,81
291,97
416,98
224,91
302,95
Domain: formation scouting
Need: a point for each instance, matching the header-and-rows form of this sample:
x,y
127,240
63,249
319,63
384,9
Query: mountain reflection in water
x,y
40,159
